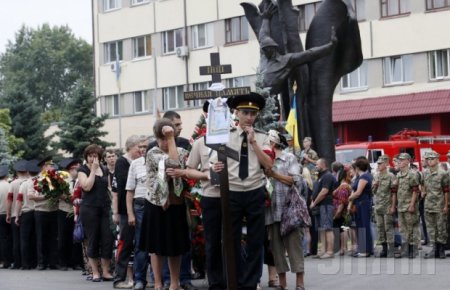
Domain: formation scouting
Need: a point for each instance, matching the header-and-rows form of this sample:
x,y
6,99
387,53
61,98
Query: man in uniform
x,y
247,185
384,188
46,215
308,157
407,196
25,218
436,187
5,228
20,167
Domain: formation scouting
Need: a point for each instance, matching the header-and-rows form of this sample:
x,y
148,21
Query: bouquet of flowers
x,y
52,185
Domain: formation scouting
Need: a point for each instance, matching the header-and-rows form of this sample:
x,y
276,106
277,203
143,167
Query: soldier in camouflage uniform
x,y
407,196
385,191
436,185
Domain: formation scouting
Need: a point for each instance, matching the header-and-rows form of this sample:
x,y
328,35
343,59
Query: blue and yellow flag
x,y
292,124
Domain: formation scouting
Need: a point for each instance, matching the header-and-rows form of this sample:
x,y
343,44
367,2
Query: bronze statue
x,y
316,80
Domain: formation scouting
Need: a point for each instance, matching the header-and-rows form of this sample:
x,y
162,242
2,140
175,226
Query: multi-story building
x,y
148,52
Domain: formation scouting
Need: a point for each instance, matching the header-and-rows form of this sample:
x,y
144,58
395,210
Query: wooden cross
x,y
223,152
215,70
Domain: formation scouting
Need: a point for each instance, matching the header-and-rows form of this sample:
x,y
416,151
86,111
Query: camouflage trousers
x,y
436,227
409,225
385,228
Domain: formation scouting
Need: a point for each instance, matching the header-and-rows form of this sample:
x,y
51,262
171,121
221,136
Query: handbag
x,y
295,212
78,231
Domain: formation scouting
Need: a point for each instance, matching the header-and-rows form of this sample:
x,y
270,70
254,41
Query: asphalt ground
x,y
341,272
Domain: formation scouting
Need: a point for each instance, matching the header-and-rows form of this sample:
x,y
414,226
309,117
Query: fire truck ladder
x,y
433,139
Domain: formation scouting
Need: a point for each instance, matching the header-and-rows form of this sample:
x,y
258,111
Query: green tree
x,y
5,156
268,119
45,63
79,124
27,125
12,141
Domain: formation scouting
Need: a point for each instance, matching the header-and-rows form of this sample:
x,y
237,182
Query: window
x,y
111,4
112,50
141,102
142,46
398,69
202,35
171,40
306,15
236,29
173,98
197,87
359,7
436,4
237,82
439,64
394,7
112,105
355,80
137,2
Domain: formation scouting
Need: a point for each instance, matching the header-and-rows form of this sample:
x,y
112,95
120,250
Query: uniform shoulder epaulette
x,y
259,131
233,129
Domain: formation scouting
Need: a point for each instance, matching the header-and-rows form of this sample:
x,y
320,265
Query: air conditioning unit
x,y
182,51
113,66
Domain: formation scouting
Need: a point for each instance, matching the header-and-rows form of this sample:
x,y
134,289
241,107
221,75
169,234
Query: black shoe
x,y
441,251
383,253
41,267
63,268
188,286
77,268
54,267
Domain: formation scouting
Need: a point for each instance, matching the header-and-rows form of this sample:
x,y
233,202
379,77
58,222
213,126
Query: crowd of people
x,y
135,208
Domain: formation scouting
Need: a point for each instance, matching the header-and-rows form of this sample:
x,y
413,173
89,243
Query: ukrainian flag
x,y
291,123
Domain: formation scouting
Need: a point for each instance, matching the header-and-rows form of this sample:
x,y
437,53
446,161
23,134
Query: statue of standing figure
x,y
333,49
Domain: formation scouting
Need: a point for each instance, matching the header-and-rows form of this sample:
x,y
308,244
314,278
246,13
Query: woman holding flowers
x,y
164,223
95,212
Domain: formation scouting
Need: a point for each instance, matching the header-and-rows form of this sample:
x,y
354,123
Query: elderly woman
x,y
95,212
284,174
361,197
164,226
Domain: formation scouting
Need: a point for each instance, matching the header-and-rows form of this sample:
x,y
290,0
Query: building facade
x,y
148,52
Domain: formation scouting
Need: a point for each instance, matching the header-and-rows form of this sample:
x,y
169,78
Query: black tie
x,y
243,161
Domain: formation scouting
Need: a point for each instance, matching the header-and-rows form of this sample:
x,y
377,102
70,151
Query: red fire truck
x,y
416,143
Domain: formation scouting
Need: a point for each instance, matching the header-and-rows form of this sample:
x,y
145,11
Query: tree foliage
x,y
45,63
11,141
26,124
79,124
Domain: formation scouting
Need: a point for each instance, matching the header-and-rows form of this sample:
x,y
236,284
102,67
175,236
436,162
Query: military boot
x,y
383,253
403,251
441,251
431,254
391,250
412,251
438,248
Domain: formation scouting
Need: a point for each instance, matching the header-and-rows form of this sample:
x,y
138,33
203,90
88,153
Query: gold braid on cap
x,y
248,106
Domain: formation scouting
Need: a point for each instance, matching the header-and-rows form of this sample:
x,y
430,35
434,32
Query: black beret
x,y
33,166
3,170
20,165
66,163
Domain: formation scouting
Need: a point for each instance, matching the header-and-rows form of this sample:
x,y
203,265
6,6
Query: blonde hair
x,y
307,177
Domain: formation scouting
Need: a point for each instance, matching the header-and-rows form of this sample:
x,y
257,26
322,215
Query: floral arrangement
x,y
192,194
200,128
52,185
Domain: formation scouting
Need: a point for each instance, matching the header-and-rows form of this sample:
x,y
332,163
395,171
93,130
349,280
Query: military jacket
x,y
435,183
382,191
407,183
